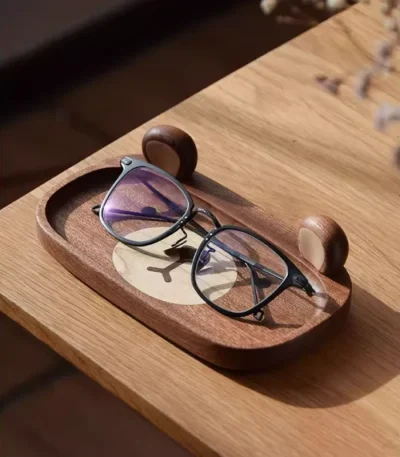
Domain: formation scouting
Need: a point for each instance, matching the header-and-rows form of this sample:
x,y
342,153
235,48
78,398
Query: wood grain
x,y
268,133
293,322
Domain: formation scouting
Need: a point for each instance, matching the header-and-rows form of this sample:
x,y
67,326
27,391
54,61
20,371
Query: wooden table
x,y
270,134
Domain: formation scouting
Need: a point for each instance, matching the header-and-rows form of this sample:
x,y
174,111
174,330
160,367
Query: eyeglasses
x,y
234,270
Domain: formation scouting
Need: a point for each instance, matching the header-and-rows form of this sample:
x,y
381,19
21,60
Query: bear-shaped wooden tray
x,y
157,291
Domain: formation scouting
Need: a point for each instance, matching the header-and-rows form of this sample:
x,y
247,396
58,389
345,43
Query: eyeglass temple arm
x,y
129,214
201,231
159,217
204,232
198,228
156,217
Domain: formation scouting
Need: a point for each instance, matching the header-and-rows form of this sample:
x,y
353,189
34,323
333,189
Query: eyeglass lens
x,y
259,271
144,199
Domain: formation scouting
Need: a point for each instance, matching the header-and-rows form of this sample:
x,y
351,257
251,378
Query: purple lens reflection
x,y
144,199
204,258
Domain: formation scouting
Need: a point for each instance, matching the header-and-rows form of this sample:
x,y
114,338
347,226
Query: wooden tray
x,y
74,236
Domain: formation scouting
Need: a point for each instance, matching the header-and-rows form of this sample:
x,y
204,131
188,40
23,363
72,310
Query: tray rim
x,y
48,236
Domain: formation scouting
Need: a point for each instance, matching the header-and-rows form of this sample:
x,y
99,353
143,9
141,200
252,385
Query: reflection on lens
x,y
259,270
144,198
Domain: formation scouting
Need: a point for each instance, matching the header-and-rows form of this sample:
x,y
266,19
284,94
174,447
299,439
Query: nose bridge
x,y
209,214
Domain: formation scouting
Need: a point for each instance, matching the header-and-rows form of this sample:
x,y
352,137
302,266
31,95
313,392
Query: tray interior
x,y
69,213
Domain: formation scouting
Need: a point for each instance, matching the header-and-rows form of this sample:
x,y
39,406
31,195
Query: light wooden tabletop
x,y
269,133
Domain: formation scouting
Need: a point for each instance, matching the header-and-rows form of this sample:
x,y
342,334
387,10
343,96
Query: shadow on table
x,y
211,187
362,358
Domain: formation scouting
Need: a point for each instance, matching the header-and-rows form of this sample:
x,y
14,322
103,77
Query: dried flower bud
x,y
396,156
386,115
363,82
267,6
336,5
383,53
388,7
385,49
329,84
391,24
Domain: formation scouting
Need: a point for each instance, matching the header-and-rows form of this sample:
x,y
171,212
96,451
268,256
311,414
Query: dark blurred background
x,y
75,75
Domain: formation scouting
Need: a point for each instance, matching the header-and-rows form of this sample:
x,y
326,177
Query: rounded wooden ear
x,y
171,149
323,243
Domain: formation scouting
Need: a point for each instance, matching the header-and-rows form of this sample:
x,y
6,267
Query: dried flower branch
x,y
384,53
392,24
386,115
381,59
396,156
388,7
329,84
363,82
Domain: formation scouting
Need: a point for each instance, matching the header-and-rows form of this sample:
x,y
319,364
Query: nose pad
x,y
96,209
204,258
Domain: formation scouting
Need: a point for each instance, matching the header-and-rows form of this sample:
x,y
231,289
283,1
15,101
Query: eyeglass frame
x,y
294,277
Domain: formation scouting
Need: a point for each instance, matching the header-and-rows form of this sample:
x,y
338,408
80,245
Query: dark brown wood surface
x,y
323,243
171,149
